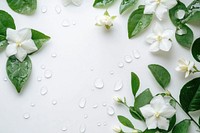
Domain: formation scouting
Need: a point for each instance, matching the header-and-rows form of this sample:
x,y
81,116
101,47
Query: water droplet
x,y
64,129
121,65
54,55
82,128
39,79
85,116
32,105
105,124
180,14
110,110
58,9
44,9
141,23
128,59
181,32
5,79
136,54
43,66
26,115
104,104
111,72
48,74
54,102
118,85
99,84
98,124
95,106
74,23
65,23
43,90
91,69
82,103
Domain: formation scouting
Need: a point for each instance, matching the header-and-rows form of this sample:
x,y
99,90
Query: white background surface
x,y
79,49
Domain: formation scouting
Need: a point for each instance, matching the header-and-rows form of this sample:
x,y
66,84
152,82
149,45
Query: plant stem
x,y
186,112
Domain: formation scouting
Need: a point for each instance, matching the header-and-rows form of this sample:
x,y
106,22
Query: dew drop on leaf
x,y
180,14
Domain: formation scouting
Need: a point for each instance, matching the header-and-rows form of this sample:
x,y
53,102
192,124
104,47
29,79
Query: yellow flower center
x,y
18,44
158,1
157,115
159,38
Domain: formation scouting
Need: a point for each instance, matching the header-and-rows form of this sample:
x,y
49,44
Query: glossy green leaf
x,y
182,127
126,122
135,83
150,131
196,49
194,12
18,72
186,37
6,21
173,13
137,115
190,95
39,38
199,120
138,22
161,75
23,6
102,3
126,4
3,41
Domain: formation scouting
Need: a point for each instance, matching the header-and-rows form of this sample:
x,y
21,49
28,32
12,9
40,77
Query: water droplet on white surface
x,y
128,59
74,23
95,106
64,129
32,105
82,128
110,110
54,102
44,9
118,85
91,69
136,54
105,124
26,115
180,14
98,124
43,90
121,65
54,55
39,79
111,72
43,66
58,9
181,32
65,23
99,84
104,104
82,103
5,79
47,74
85,116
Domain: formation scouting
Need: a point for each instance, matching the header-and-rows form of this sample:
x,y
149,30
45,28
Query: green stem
x,y
186,112
195,70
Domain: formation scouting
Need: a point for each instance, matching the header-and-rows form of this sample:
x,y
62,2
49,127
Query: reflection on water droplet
x,y
118,85
47,74
104,104
43,67
43,90
111,72
91,69
128,59
58,9
82,103
105,124
39,79
141,23
82,128
74,23
121,65
85,116
98,124
65,23
32,105
5,79
136,54
95,106
181,32
64,129
54,102
110,110
44,9
180,14
54,55
26,115
99,84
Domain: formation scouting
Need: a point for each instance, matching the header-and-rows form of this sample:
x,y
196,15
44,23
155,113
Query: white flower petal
x,y
191,65
29,46
167,111
12,36
11,49
158,29
150,8
151,38
157,103
169,3
168,34
187,74
182,61
163,123
165,45
151,123
149,2
21,54
77,2
25,34
160,12
154,47
66,2
147,111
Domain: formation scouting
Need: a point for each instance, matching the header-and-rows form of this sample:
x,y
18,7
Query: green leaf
x,y
186,38
194,12
126,4
199,120
138,22
182,127
126,122
135,83
102,3
173,13
135,114
3,41
150,131
196,49
26,7
161,75
6,21
39,38
18,72
190,95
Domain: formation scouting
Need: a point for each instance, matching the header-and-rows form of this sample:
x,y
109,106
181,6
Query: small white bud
x,y
117,99
117,129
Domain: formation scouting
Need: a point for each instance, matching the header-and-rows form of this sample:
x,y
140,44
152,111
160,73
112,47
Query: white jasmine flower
x,y
105,20
20,43
75,2
185,66
117,129
159,7
117,99
160,39
157,112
